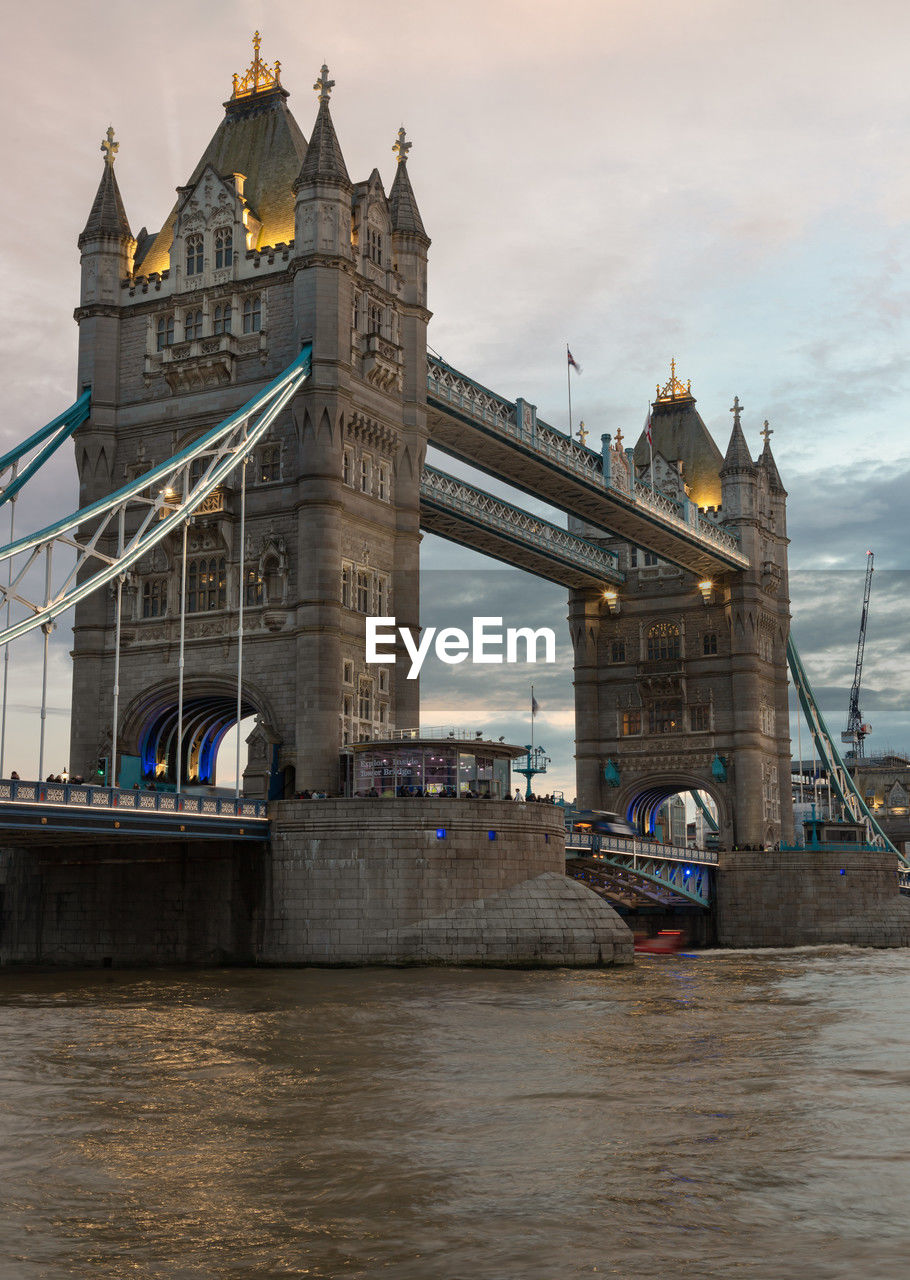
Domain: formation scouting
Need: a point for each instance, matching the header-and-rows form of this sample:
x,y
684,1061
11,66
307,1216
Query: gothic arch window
x,y
154,598
664,715
663,641
252,314
165,331
709,643
347,467
374,245
385,482
268,464
375,318
365,699
347,574
363,592
192,325
224,247
222,322
206,584
194,255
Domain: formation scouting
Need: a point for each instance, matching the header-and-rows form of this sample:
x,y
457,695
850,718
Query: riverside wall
x,y
342,882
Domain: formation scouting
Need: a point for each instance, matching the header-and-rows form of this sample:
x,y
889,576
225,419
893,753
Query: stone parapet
x,y
810,897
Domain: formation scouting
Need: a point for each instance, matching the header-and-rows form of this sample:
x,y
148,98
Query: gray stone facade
x,y
269,246
681,684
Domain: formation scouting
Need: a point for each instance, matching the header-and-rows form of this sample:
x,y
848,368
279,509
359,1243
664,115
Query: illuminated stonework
x,y
259,78
673,389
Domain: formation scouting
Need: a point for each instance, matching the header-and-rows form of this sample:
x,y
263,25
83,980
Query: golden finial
x,y
401,147
674,389
582,434
736,410
324,85
110,147
618,444
258,78
767,433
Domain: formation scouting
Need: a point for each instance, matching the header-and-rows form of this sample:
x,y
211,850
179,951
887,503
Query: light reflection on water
x,y
723,1115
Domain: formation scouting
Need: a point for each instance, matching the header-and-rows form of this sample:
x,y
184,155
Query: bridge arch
x,y
150,722
640,799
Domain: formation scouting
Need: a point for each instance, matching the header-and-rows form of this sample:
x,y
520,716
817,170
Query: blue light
x,y
440,833
688,871
491,835
843,873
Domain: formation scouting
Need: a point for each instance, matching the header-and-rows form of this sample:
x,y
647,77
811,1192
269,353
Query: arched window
x,y
363,592
365,700
663,641
206,584
268,464
710,643
224,248
252,586
222,322
374,245
347,463
664,715
192,325
154,598
165,331
252,314
194,255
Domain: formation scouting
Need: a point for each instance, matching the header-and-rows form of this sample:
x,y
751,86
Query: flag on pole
x,y
648,424
573,363
535,706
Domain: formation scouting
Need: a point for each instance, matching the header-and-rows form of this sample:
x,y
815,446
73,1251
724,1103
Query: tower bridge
x,y
255,401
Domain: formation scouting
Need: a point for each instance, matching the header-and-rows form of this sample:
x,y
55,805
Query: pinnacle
x,y
737,457
402,204
767,461
108,216
323,157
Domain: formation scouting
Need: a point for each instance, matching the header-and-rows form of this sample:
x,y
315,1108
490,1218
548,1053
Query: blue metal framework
x,y
839,778
52,437
631,869
110,535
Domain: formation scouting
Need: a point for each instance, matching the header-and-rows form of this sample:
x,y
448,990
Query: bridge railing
x,y
85,796
592,843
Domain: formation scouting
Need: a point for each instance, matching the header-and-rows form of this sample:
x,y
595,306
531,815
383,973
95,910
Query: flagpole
x,y
532,723
651,445
569,388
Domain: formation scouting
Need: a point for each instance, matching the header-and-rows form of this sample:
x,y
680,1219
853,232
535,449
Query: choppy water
x,y
723,1115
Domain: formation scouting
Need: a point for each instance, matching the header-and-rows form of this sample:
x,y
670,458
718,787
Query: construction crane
x,y
856,730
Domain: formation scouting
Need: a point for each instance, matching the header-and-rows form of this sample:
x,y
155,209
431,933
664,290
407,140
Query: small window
x,y
382,712
383,680
194,255
384,488
381,597
631,723
346,587
269,464
347,704
363,592
700,718
374,245
365,700
222,323
192,326
664,715
710,643
633,557
252,314
154,598
224,248
165,331
375,318
252,589
347,467
365,474
617,650
348,675
650,559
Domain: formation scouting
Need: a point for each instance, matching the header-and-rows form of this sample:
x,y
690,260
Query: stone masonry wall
x,y
788,899
369,881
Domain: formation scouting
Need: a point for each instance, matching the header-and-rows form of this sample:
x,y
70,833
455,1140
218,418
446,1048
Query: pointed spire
x,y
402,204
108,216
323,159
737,457
767,461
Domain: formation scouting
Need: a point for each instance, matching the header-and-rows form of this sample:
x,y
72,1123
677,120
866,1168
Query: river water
x,y
717,1115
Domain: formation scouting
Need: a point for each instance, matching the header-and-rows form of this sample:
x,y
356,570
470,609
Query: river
x,y
729,1115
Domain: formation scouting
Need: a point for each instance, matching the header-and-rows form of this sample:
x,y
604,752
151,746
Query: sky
x,y
717,182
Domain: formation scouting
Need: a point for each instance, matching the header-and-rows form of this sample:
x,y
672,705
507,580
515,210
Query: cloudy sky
x,y
720,182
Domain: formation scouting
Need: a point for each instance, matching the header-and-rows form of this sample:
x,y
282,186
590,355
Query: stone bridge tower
x,y
681,684
269,245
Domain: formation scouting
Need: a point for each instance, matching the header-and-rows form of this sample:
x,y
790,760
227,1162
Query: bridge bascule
x,y
255,406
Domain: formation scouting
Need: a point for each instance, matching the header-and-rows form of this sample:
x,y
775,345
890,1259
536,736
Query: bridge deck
x,y
42,809
508,441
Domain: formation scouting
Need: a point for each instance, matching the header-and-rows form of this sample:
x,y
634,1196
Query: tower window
x,y
206,585
617,650
269,468
224,248
663,641
384,482
631,723
363,592
365,700
347,467
375,318
650,559
192,325
154,598
165,331
374,245
700,718
710,643
664,715
365,474
252,314
252,589
194,255
222,323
